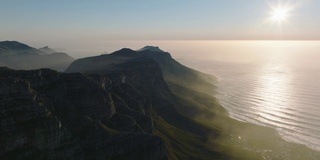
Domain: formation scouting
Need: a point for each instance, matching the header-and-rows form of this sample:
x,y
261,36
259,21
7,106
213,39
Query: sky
x,y
70,23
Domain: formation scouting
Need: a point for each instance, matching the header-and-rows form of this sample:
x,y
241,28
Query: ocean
x,y
269,83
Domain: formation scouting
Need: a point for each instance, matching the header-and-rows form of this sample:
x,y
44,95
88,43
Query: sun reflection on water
x,y
275,91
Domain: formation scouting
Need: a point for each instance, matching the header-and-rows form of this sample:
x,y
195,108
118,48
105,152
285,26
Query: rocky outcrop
x,y
50,115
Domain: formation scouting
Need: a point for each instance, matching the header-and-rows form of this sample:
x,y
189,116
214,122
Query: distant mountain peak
x,y
124,52
46,49
15,47
126,49
151,48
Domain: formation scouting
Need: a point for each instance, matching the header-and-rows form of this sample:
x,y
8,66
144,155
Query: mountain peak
x,y
46,49
15,47
151,48
124,52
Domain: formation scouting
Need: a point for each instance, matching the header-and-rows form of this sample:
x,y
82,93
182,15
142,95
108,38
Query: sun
x,y
280,14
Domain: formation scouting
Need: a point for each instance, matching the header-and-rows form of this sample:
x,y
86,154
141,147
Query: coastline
x,y
243,78
223,98
243,140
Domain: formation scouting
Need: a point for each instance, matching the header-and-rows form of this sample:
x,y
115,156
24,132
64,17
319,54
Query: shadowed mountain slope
x,y
50,115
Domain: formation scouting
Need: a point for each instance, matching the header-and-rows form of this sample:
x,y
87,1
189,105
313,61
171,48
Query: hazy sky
x,y
60,22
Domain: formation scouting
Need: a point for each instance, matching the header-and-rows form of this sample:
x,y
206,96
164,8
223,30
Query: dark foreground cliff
x,y
50,115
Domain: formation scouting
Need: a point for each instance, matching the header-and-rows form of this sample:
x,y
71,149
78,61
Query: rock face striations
x,y
50,115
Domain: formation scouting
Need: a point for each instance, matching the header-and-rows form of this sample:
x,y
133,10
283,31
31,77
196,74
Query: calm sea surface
x,y
270,83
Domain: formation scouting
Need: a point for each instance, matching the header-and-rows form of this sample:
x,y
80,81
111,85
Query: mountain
x,y
14,47
170,68
127,105
17,55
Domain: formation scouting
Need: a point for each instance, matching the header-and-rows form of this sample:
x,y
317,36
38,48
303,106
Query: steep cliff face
x,y
50,115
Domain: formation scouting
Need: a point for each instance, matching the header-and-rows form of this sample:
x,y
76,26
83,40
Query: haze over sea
x,y
270,83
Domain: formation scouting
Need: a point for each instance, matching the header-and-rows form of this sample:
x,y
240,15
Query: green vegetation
x,y
184,145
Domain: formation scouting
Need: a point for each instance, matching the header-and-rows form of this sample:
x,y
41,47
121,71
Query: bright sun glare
x,y
280,14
